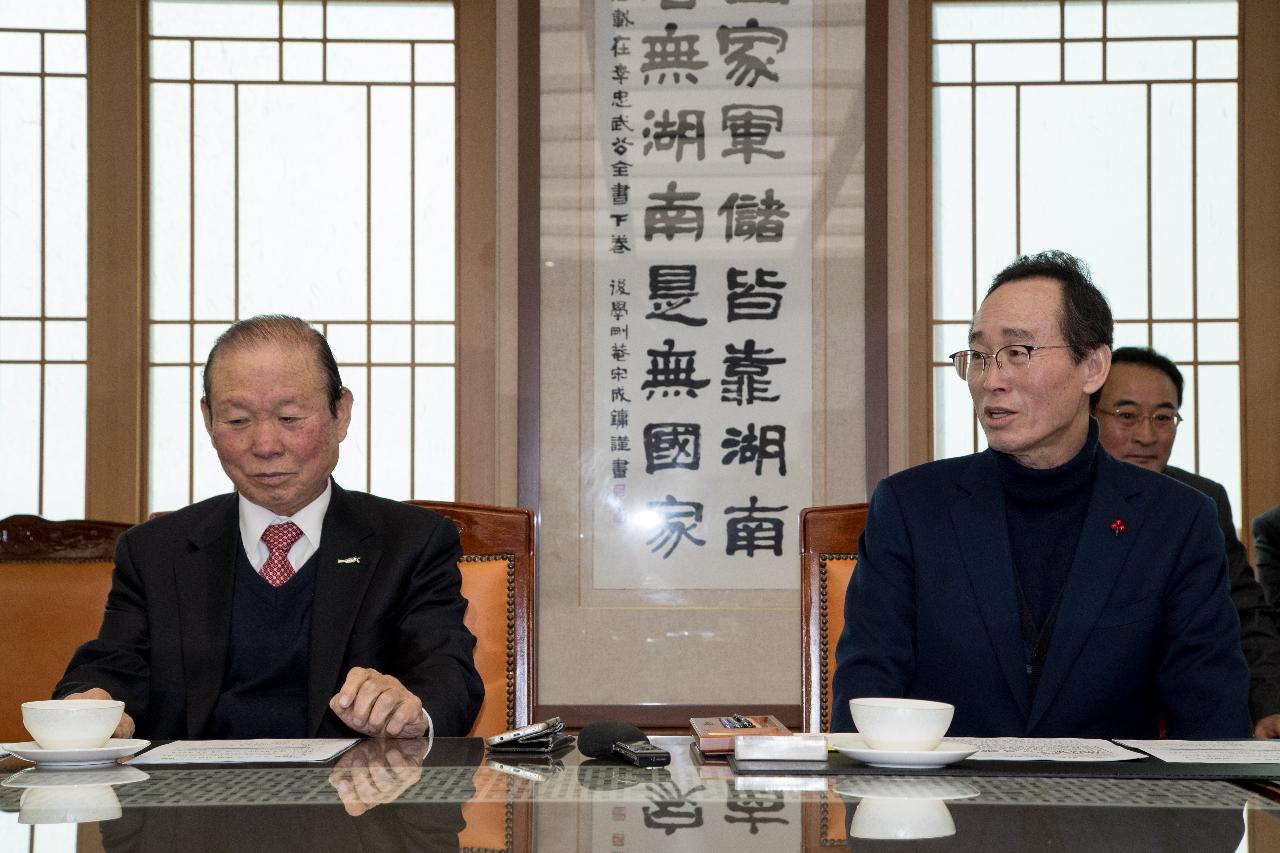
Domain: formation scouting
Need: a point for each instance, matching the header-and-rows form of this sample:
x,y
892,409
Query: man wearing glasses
x,y
1042,587
1137,411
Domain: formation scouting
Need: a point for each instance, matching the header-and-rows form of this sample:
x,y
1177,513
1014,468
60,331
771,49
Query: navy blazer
x,y
387,596
1146,622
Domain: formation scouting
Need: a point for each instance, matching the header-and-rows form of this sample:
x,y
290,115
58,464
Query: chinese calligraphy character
x,y
620,47
754,300
737,45
674,215
673,809
677,54
745,446
672,445
746,372
620,469
621,193
618,418
619,352
749,128
668,134
620,169
622,18
751,532
671,287
618,309
672,371
619,244
619,444
677,520
619,395
750,219
753,805
618,287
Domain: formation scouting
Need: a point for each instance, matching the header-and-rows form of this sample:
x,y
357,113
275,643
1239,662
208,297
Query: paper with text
x,y
1211,751
1046,749
267,751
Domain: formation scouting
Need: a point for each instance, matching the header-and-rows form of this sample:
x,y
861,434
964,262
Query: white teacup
x,y
905,725
72,723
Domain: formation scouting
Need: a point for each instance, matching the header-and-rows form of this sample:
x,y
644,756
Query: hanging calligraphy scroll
x,y
703,312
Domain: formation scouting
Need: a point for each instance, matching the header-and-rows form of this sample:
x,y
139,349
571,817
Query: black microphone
x,y
621,741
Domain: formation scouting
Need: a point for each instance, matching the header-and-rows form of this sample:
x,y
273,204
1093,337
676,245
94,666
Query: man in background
x,y
1137,411
291,608
1266,540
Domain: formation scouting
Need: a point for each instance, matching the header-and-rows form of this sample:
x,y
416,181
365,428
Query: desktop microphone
x,y
621,741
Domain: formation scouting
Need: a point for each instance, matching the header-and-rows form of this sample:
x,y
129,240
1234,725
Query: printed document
x,y
1211,751
267,751
1046,749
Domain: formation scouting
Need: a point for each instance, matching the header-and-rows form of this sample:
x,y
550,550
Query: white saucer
x,y
947,752
115,748
102,774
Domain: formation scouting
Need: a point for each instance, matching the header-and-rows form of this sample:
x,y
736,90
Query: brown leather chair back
x,y
828,554
54,578
498,580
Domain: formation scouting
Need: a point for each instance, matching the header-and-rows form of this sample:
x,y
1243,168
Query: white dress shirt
x,y
255,519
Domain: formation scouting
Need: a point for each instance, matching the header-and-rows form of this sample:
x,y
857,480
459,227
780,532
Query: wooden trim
x,y
30,538
529,253
659,717
476,448
1259,258
117,304
875,361
919,416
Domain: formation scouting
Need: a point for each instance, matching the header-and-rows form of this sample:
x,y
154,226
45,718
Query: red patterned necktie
x,y
279,539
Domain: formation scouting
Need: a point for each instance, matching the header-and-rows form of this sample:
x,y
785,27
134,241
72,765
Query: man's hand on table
x,y
374,772
378,705
125,728
1267,727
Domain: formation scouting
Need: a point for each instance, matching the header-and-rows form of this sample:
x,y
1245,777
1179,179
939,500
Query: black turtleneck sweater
x,y
1045,510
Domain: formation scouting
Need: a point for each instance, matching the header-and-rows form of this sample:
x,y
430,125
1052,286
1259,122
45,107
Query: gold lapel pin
x,y
350,560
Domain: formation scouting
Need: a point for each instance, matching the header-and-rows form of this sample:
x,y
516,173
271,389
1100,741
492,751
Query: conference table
x,y
389,796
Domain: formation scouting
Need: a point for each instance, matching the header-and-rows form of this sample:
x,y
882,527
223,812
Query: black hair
x,y
1147,357
1086,317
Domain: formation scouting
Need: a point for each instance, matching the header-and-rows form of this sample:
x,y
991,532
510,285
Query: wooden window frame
x,y
905,269
118,134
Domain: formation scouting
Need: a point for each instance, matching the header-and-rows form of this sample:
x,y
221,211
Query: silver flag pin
x,y
350,560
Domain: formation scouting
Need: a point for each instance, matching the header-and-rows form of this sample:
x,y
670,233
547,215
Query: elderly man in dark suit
x,y
292,607
1137,411
1041,586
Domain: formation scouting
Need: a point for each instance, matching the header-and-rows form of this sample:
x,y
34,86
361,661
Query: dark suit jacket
x,y
1266,539
163,643
1258,635
1146,622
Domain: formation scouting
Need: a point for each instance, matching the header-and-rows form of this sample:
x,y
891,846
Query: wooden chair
x,y
498,581
828,552
54,578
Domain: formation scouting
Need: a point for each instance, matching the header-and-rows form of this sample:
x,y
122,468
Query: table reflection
x,y
400,795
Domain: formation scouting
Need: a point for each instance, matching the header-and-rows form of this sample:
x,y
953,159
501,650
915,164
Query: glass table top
x,y
395,795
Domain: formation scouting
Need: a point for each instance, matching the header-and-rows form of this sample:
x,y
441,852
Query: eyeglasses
x,y
970,363
1129,420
